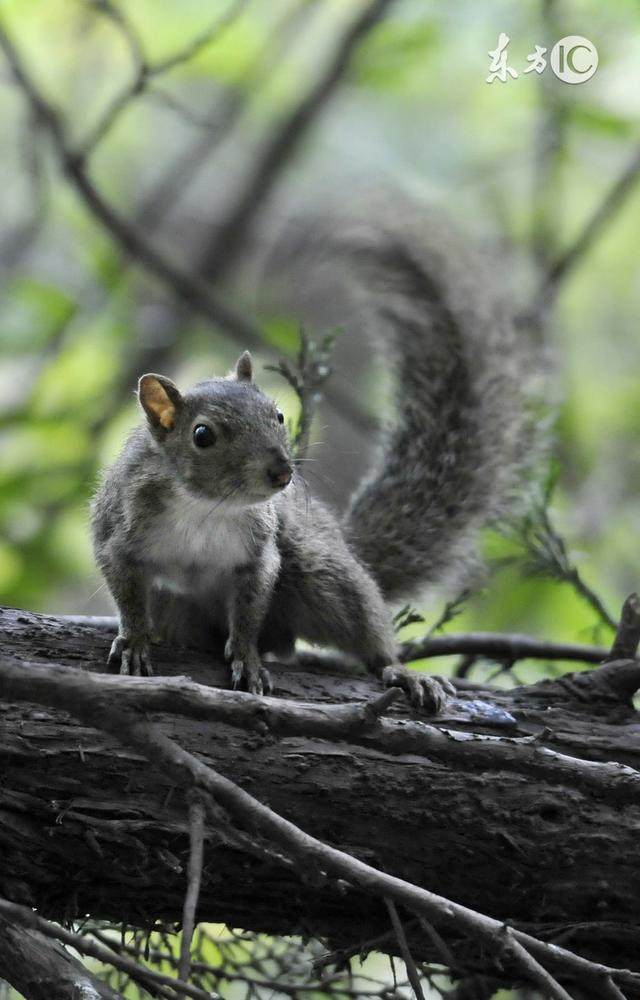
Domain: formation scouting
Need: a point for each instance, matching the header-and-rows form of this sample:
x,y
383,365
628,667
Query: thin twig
x,y
546,554
451,610
439,944
536,973
602,217
194,877
193,291
398,929
282,143
183,696
143,70
306,378
201,41
340,956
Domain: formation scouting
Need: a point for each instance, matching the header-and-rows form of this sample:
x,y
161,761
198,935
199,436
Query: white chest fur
x,y
194,544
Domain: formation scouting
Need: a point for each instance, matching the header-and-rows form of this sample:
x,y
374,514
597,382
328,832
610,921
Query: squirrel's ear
x,y
244,368
160,400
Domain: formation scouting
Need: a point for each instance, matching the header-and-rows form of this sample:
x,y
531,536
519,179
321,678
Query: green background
x,y
519,167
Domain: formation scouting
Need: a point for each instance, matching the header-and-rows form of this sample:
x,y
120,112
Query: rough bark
x,y
509,818
42,969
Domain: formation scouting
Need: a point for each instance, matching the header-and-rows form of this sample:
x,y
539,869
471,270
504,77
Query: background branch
x,y
280,146
603,215
144,71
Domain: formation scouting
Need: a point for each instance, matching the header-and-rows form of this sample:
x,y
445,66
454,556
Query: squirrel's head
x,y
224,437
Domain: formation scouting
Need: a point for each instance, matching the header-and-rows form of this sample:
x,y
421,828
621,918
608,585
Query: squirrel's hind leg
x,y
343,607
426,691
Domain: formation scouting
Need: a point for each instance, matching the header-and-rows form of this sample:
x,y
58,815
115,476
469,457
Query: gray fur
x,y
207,535
197,540
462,443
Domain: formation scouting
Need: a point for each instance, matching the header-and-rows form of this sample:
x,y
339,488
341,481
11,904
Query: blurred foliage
x,y
240,966
506,161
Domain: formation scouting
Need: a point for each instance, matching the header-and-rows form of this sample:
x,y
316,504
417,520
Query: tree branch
x,y
181,696
536,973
602,217
405,951
191,290
305,851
194,877
497,646
282,144
143,70
42,970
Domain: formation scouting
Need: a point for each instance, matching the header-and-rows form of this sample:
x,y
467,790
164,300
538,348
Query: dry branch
x,y
405,951
194,878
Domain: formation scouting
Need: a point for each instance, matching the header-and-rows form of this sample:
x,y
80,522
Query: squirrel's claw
x,y
237,674
425,691
130,657
250,676
267,683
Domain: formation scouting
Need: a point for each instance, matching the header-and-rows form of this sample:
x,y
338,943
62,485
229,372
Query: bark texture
x,y
522,804
42,969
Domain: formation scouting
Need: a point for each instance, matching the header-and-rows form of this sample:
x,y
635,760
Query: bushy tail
x,y
464,384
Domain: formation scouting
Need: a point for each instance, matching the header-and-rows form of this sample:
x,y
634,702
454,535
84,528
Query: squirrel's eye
x,y
203,436
280,417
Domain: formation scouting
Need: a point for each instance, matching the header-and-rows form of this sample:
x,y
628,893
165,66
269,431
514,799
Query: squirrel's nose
x,y
279,471
280,479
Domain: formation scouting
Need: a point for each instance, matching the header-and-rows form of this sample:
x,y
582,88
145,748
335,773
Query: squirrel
x,y
205,509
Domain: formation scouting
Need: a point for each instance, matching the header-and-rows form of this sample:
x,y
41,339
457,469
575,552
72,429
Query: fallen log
x,y
523,804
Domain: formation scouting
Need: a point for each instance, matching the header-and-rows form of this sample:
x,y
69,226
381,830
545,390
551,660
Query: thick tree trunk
x,y
42,969
494,805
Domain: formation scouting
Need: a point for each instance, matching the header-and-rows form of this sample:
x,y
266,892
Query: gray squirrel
x,y
205,510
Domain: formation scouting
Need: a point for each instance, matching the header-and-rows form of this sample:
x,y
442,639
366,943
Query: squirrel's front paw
x,y
249,674
423,690
130,655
